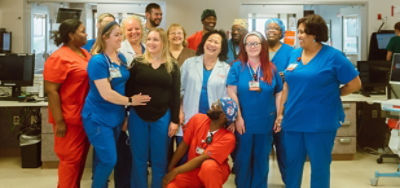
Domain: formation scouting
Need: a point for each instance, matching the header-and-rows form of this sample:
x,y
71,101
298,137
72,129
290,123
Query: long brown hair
x,y
164,52
267,67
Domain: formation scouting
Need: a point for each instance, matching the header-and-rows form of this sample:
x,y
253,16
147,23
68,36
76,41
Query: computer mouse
x,y
30,99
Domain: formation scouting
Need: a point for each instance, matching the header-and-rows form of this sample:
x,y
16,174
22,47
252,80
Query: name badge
x,y
291,67
254,86
114,72
199,150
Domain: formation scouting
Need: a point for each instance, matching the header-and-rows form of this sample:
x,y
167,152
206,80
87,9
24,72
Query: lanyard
x,y
108,60
255,76
207,141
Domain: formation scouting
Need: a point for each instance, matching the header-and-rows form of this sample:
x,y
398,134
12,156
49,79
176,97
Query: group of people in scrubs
x,y
133,91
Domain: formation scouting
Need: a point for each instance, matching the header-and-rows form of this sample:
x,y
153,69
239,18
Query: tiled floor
x,y
344,174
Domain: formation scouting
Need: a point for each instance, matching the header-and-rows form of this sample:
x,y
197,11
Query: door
x,y
257,15
39,35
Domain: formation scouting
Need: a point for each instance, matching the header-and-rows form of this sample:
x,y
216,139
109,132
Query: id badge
x,y
199,150
114,72
254,86
291,67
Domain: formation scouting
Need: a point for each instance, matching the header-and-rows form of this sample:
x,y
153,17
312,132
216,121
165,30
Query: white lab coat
x,y
127,50
191,83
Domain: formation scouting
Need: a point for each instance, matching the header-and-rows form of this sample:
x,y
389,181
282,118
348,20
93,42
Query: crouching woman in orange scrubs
x,y
209,145
66,84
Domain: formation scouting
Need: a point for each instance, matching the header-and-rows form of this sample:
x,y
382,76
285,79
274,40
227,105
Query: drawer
x,y
348,128
46,126
48,153
344,145
350,111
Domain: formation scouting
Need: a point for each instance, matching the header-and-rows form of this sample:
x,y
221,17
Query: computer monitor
x,y
16,70
378,44
374,76
5,42
383,39
68,13
395,77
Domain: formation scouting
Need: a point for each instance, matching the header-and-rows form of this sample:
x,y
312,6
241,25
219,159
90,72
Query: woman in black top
x,y
157,75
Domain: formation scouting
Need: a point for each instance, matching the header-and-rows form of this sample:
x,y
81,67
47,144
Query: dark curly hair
x,y
224,44
315,25
66,27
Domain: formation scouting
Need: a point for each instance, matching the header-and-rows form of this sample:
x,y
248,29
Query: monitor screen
x,y
374,75
7,41
16,69
383,39
67,13
395,69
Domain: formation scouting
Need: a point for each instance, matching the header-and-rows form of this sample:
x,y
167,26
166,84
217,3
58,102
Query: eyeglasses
x,y
273,29
253,44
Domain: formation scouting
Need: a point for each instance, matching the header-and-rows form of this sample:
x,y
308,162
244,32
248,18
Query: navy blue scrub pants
x,y
318,147
279,154
103,138
149,142
252,160
122,170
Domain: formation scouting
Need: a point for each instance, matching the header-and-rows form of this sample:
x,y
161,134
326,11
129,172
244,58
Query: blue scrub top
x,y
231,56
95,106
203,104
313,103
281,58
258,108
89,44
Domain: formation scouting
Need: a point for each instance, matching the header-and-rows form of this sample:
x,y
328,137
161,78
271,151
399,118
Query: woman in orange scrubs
x,y
66,84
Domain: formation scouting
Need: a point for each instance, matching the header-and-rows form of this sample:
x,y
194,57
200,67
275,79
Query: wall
x,y
12,18
376,7
188,13
330,13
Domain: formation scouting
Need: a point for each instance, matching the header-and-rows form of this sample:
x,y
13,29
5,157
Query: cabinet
x,y
49,158
346,141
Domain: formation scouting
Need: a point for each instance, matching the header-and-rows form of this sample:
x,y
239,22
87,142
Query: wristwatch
x,y
129,101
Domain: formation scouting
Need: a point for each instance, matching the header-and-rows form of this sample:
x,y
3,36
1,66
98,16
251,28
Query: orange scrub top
x,y
195,135
68,68
194,40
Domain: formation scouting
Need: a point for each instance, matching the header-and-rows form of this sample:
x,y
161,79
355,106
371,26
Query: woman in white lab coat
x,y
203,77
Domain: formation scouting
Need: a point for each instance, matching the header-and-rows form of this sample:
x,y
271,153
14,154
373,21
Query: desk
x,y
8,109
22,104
362,98
346,137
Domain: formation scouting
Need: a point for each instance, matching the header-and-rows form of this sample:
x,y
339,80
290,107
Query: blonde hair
x,y
100,44
101,17
129,18
164,52
175,25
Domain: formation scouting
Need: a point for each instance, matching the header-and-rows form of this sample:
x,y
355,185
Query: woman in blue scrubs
x,y
279,54
104,111
312,105
255,85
